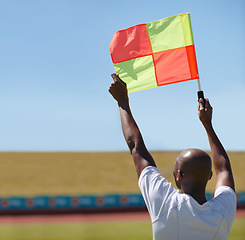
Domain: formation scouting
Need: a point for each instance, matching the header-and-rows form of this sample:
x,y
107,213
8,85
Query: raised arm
x,y
220,159
131,132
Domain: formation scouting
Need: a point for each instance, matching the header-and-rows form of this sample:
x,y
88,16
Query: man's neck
x,y
198,194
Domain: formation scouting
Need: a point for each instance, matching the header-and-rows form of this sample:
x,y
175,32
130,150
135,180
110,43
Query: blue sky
x,y
55,71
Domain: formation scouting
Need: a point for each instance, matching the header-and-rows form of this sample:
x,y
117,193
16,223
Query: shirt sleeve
x,y
155,190
225,198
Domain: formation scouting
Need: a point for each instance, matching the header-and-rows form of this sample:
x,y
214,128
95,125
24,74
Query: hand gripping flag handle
x,y
200,93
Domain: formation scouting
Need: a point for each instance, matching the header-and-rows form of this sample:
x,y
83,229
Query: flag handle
x,y
200,93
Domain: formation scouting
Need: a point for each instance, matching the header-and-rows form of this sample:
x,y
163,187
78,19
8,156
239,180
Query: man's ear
x,y
179,177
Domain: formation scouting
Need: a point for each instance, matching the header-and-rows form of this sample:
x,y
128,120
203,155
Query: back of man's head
x,y
193,169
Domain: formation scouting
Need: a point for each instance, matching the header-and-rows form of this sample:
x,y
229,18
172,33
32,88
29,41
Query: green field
x,y
76,173
79,173
139,230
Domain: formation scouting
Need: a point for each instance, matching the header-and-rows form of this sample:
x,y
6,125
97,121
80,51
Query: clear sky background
x,y
55,71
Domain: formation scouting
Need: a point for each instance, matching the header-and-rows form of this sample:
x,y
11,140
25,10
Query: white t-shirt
x,y
179,216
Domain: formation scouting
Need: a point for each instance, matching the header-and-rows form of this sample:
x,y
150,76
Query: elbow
x,y
131,144
136,146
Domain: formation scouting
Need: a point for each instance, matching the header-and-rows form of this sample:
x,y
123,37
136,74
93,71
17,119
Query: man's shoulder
x,y
152,183
225,198
149,169
225,190
149,173
225,201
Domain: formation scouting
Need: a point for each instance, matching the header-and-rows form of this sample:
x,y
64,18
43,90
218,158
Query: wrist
x,y
207,125
123,102
123,99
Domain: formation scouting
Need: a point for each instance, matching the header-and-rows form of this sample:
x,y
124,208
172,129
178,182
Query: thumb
x,y
114,77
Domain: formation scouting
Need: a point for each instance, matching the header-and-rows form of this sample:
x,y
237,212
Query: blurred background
x,y
55,71
60,128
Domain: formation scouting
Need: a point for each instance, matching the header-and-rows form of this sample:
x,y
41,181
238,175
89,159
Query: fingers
x,y
113,88
207,104
116,84
203,105
116,78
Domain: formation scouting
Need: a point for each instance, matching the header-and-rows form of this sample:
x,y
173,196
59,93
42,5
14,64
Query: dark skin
x,y
192,171
220,158
193,166
142,158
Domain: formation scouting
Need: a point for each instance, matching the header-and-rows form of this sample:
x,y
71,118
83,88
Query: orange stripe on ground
x,y
83,218
86,218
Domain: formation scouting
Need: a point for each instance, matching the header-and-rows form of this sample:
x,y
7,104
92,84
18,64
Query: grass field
x,y
74,173
79,173
139,230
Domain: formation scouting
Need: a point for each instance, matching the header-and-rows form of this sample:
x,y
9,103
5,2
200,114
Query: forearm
x,y
130,129
131,132
219,155
142,158
220,158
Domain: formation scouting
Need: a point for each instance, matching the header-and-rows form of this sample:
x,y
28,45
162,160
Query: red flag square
x,y
172,66
130,43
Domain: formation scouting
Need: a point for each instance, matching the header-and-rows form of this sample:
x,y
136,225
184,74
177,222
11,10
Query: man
x,y
186,215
